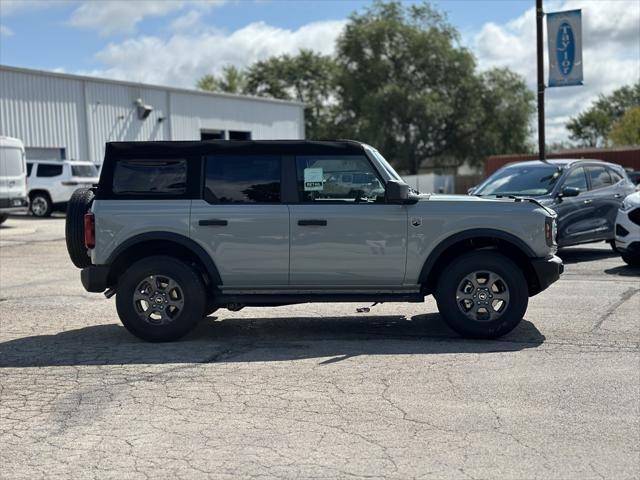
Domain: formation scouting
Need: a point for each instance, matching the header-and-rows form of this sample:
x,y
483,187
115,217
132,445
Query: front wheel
x,y
631,259
160,299
482,295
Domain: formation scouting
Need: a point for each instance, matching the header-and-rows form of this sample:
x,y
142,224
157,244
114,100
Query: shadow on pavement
x,y
624,271
585,254
260,340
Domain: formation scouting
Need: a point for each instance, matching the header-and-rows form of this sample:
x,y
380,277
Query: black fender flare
x,y
468,235
182,240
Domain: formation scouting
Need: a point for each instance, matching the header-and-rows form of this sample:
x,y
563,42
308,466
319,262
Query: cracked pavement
x,y
317,390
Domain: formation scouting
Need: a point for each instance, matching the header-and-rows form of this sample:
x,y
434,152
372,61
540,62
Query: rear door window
x,y
243,179
84,171
48,170
150,177
599,177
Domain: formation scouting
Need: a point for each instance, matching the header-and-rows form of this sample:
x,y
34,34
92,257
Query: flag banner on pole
x,y
564,34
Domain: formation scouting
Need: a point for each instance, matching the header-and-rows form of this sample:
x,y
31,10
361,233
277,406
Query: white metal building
x,y
61,116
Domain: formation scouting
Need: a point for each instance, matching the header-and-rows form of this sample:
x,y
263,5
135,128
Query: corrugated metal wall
x,y
80,114
44,112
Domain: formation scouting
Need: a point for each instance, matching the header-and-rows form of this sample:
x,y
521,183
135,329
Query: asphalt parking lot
x,y
315,391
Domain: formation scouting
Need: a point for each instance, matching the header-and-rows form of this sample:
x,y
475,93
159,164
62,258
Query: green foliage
x,y
400,81
591,127
626,131
232,80
307,77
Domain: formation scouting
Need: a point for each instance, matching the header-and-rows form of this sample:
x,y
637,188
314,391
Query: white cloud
x,y
183,58
5,31
14,7
188,21
611,54
121,16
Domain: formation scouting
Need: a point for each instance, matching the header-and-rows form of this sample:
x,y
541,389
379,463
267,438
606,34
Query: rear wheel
x,y
482,295
160,299
40,205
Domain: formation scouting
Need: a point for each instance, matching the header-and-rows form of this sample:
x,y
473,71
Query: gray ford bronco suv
x,y
176,230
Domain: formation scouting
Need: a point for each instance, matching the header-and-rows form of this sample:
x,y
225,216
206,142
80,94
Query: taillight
x,y
550,231
89,230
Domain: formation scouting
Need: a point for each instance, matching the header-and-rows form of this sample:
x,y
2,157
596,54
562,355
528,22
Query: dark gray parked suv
x,y
177,230
586,194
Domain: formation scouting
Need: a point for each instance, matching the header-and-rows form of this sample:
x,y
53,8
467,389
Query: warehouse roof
x,y
70,76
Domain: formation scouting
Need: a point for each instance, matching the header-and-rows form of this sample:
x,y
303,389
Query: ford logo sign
x,y
565,49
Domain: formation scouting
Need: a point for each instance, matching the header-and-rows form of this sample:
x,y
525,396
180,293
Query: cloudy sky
x,y
175,42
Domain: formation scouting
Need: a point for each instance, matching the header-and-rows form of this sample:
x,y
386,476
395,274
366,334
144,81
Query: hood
x,y
487,200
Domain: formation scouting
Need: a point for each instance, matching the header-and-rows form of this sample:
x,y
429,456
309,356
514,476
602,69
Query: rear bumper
x,y
94,278
548,270
13,204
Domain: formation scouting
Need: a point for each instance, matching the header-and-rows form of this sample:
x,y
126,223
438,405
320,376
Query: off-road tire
x,y
185,276
79,204
631,259
454,274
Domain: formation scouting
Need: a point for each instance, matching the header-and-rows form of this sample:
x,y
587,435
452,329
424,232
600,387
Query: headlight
x,y
625,206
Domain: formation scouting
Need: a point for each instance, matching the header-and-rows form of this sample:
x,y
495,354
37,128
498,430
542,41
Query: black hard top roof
x,y
117,150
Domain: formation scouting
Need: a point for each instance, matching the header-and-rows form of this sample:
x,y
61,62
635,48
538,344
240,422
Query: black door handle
x,y
212,222
310,223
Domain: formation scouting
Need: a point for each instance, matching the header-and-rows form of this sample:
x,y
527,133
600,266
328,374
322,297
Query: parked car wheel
x,y
160,299
40,205
3,217
482,295
79,204
631,259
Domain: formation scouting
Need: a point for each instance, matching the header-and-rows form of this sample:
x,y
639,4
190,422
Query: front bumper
x,y
94,278
547,271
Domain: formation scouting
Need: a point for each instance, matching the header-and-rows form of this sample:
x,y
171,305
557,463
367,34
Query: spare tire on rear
x,y
79,204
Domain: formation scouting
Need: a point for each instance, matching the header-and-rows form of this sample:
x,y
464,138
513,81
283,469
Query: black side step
x,y
266,300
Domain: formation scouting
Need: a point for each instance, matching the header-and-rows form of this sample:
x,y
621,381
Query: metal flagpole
x,y
541,137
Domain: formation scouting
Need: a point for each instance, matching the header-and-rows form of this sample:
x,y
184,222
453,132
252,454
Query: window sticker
x,y
313,181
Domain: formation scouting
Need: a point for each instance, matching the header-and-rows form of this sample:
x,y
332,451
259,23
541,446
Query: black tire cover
x,y
74,228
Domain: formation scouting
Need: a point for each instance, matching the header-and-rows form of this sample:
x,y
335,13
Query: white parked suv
x,y
628,229
51,183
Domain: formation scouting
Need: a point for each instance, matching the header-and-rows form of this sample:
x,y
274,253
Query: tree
x,y
307,77
591,127
626,131
506,106
232,80
407,86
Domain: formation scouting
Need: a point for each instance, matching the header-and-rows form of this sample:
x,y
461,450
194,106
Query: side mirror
x,y
569,192
397,192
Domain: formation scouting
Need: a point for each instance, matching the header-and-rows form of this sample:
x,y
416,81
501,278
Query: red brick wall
x,y
627,157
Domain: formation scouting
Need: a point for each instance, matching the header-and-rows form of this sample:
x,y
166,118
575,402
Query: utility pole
x,y
541,138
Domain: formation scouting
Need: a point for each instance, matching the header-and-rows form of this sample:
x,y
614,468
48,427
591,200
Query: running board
x,y
269,300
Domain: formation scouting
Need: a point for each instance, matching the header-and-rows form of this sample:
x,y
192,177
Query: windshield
x,y
387,167
84,171
521,180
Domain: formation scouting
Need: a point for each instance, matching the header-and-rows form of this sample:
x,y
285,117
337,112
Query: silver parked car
x,y
177,230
